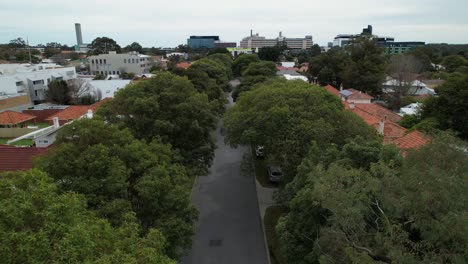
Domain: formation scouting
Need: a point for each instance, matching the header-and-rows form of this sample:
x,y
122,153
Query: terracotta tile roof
x,y
412,140
366,116
332,90
13,118
380,112
18,158
392,131
70,113
355,94
183,65
75,111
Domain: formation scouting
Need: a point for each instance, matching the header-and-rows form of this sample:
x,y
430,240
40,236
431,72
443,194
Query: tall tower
x,y
79,37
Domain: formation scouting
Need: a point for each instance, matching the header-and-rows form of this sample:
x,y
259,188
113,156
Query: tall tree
x,y
329,67
242,62
365,70
135,46
58,92
269,53
170,108
102,45
403,69
17,43
119,175
38,224
262,68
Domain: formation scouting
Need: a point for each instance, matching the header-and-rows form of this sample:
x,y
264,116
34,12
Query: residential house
x,y
417,87
11,119
74,112
18,158
355,96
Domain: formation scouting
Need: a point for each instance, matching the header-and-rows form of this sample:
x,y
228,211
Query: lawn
x,y
23,142
272,215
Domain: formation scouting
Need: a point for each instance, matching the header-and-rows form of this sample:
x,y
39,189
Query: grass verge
x,y
272,215
23,142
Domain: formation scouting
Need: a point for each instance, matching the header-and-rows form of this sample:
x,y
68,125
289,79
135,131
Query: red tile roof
x,y
380,112
358,94
13,118
412,140
75,111
332,90
18,158
183,65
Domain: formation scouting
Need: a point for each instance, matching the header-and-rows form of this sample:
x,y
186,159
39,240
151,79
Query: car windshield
x,y
276,173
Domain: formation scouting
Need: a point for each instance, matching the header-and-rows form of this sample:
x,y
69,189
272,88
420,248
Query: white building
x,y
32,79
256,41
411,109
417,87
107,88
116,64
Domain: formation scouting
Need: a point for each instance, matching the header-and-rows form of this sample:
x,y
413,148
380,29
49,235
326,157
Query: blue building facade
x,y
198,42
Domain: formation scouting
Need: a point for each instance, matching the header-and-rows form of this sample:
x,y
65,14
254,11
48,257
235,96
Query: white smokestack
x,y
56,122
79,37
89,115
381,128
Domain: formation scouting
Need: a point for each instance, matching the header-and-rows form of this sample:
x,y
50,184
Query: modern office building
x,y
199,42
402,47
116,64
257,41
224,45
32,79
80,46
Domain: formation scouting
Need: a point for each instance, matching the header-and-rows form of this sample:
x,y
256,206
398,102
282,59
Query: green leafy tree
x,y
219,51
59,93
119,175
450,107
102,45
135,46
225,60
329,67
242,62
453,62
247,84
168,107
18,43
215,70
365,70
286,116
262,68
315,50
204,84
269,53
39,224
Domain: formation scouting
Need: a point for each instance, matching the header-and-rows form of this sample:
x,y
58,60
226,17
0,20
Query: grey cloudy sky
x,y
169,23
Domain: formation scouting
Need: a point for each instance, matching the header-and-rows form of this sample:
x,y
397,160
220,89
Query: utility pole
x,y
29,49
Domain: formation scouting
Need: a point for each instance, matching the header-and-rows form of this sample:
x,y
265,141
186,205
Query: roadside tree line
x,y
116,188
347,198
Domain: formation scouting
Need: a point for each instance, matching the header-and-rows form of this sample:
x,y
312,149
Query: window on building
x,y
113,72
19,83
100,61
92,61
105,61
35,92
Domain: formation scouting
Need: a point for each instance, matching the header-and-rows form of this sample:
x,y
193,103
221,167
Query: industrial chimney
x,y
79,37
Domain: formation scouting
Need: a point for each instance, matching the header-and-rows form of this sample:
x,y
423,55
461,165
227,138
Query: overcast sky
x,y
169,23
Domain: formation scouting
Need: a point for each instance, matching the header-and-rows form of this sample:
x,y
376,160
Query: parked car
x,y
260,151
274,173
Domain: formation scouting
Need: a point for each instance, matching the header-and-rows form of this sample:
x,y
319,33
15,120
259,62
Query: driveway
x,y
229,228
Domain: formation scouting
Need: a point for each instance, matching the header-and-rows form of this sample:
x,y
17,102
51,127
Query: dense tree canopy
x,y
119,175
135,46
217,68
242,62
286,116
269,53
58,93
40,225
170,108
329,67
383,209
262,68
450,108
102,45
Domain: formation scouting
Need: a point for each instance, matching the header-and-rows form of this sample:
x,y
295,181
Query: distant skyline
x,y
168,24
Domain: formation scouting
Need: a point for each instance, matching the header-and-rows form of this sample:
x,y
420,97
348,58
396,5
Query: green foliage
x,y
224,59
135,46
247,84
58,93
269,53
204,84
408,121
215,69
39,225
242,62
119,175
450,108
286,116
219,51
453,62
366,68
262,68
383,208
329,67
127,75
102,45
168,107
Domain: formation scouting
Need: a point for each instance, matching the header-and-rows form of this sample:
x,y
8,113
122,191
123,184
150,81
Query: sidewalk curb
x,y
267,248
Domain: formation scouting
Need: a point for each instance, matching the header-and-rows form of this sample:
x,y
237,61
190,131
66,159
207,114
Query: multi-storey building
x,y
116,64
256,41
402,47
199,42
32,79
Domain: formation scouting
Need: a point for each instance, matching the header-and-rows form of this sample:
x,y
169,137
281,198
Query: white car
x,y
260,151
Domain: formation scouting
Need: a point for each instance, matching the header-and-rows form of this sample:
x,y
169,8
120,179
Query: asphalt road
x,y
229,228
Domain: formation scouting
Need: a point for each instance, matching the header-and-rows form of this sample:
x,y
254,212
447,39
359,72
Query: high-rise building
x,y
342,40
79,37
199,42
256,41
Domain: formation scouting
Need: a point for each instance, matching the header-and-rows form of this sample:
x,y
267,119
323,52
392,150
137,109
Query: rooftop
x,y
13,118
18,158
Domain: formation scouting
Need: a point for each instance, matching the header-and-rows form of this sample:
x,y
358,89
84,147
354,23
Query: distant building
x,y
256,41
80,46
116,64
238,51
17,79
224,45
402,47
342,40
199,42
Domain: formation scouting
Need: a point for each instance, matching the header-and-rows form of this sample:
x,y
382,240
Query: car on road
x,y
259,151
274,173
